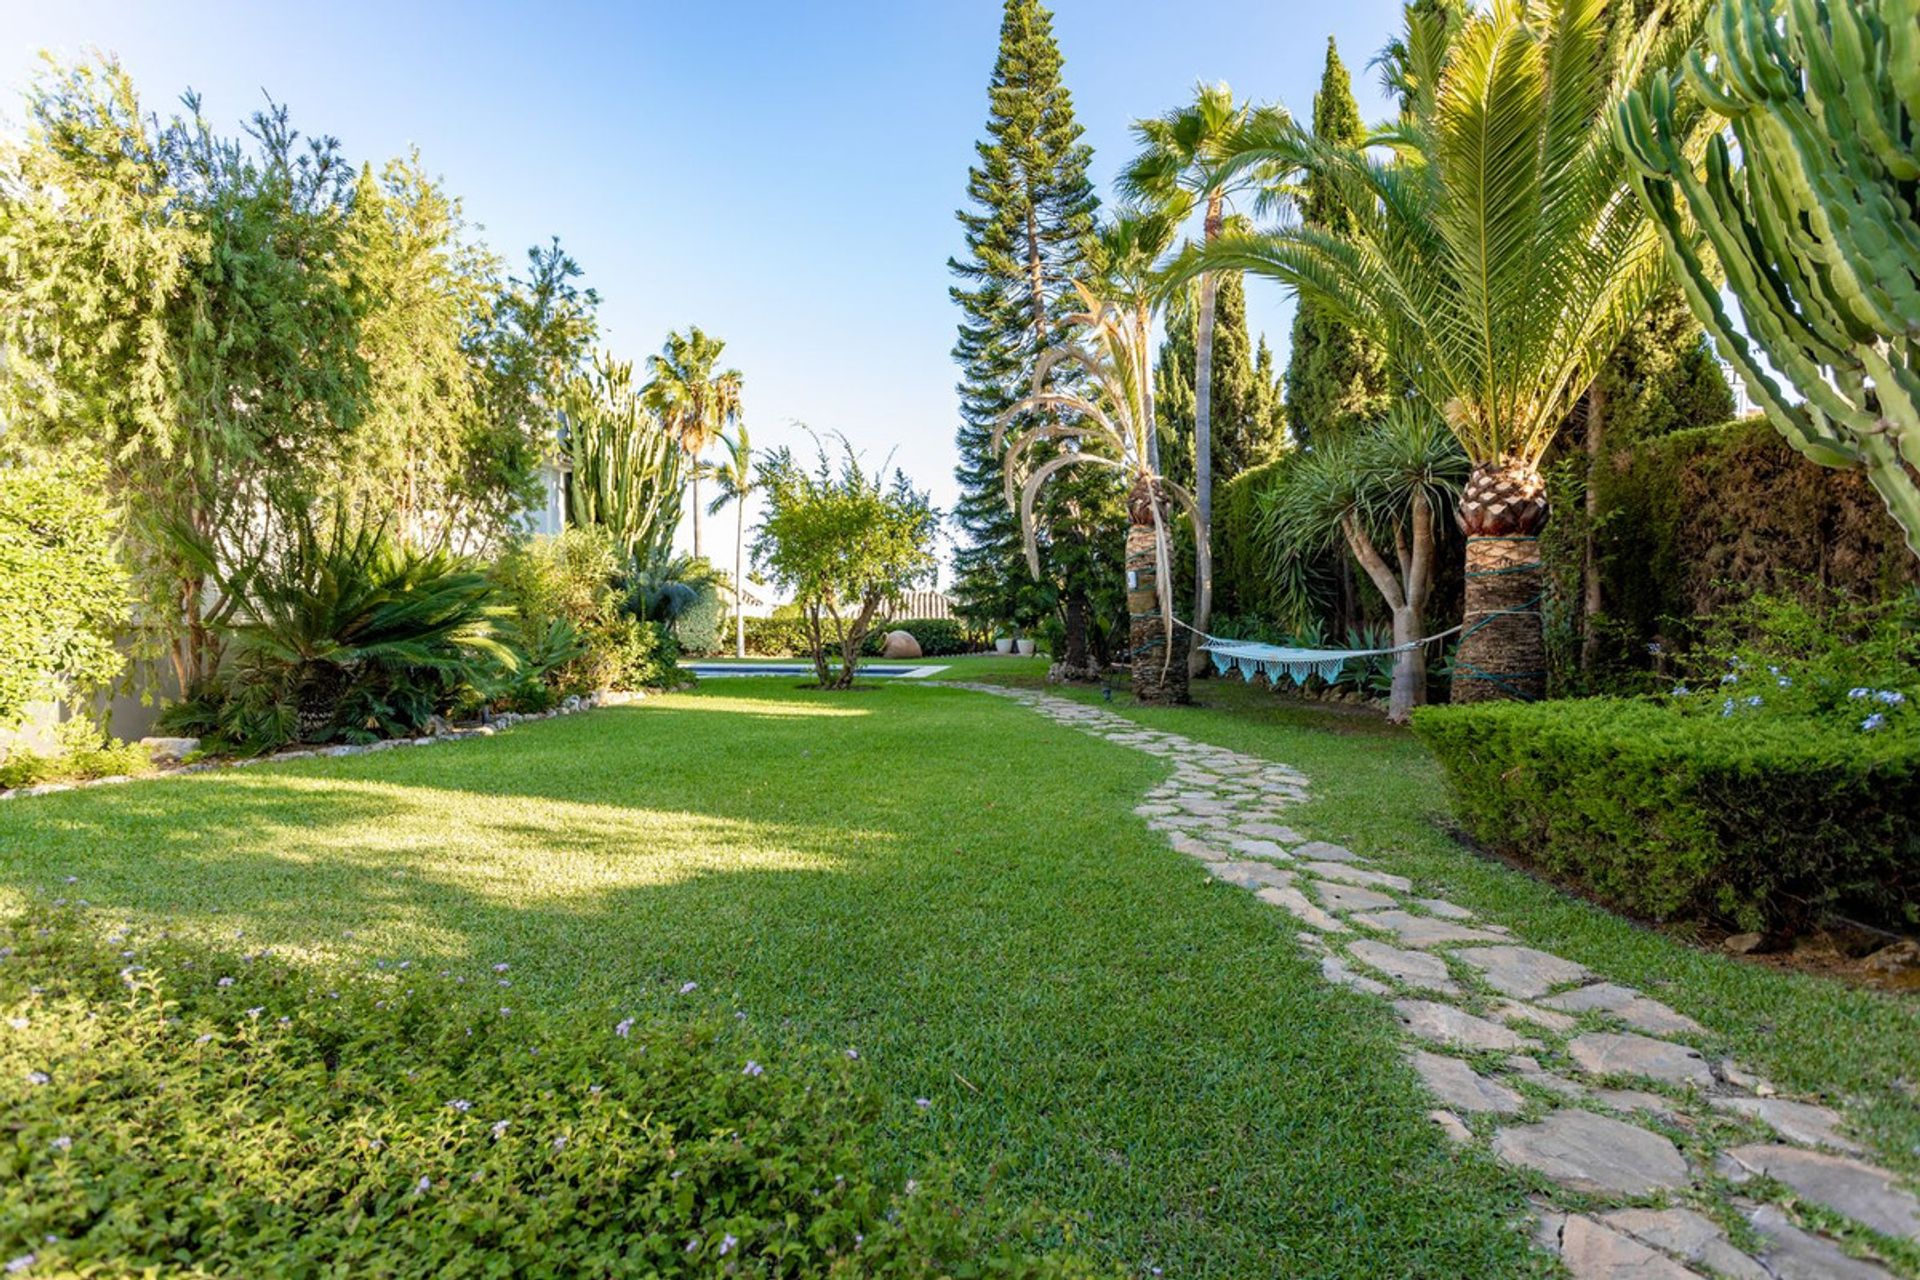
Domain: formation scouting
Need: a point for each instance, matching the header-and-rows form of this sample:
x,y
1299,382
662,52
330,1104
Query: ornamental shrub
x,y
1756,817
176,1110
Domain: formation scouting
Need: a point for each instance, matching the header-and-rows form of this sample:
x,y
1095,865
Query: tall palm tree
x,y
1181,163
1498,258
697,402
1381,493
734,479
1110,424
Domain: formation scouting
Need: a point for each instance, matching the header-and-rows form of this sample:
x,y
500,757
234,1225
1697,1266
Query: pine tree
x,y
1334,376
1029,216
1245,431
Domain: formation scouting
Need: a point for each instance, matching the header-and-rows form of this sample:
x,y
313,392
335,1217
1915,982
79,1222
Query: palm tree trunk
x,y
694,482
1077,608
739,577
1592,601
1203,425
1502,650
1159,669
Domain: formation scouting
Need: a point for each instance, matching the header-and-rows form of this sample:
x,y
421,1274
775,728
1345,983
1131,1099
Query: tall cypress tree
x,y
1334,377
1246,432
1029,215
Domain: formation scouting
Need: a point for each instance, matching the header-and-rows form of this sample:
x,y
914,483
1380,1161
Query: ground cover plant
x,y
1177,1084
402,1121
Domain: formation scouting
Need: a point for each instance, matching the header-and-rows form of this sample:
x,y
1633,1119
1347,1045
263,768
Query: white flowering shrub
x,y
172,1110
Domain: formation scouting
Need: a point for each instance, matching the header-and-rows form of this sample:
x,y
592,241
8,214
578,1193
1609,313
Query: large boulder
x,y
899,644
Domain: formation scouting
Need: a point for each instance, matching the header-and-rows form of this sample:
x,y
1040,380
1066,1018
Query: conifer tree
x,y
1335,377
1029,215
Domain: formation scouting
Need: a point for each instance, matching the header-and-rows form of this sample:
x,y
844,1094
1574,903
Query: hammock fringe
x,y
1275,661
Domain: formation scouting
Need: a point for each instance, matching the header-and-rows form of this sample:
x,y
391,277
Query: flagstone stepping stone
x,y
1851,1187
1208,808
1423,931
1250,875
1523,971
1336,970
1358,875
1452,1126
1295,904
1271,831
1689,1236
1347,897
1801,1122
1511,1011
1594,1251
1415,968
1592,1153
1153,809
1194,847
1185,820
1640,1100
1462,1088
1325,852
1609,1053
1444,909
1261,849
1793,1254
1627,1005
1444,1024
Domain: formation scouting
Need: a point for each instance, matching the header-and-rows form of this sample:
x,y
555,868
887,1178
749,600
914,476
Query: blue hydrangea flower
x,y
1872,722
1892,697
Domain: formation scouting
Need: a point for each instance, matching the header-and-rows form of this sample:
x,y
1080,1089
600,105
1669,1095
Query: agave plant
x,y
1107,421
1498,257
315,605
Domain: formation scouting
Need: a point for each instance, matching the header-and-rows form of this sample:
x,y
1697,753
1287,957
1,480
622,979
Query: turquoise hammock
x,y
1276,661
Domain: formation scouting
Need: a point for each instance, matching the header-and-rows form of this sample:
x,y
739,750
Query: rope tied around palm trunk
x,y
1528,608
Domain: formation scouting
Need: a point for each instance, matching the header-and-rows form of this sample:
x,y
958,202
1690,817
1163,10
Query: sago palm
x,y
1498,258
1106,420
1182,161
696,401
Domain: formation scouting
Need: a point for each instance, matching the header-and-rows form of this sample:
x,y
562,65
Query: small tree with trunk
x,y
1385,487
844,543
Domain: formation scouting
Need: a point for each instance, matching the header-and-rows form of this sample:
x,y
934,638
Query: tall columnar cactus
x,y
1815,228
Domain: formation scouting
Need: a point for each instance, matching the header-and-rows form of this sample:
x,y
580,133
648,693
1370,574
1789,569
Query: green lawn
x,y
1378,790
943,881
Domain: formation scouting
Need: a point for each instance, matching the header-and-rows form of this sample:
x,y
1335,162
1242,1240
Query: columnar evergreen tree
x,y
1336,376
1246,432
1029,219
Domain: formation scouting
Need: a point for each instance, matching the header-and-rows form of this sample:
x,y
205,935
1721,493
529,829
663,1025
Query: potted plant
x,y
1002,640
1023,643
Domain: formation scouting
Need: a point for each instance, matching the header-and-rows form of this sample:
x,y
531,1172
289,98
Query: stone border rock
x,y
1604,1096
451,733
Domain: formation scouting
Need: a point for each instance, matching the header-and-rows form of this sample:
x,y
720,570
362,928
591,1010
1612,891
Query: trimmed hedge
x,y
1745,820
174,1110
938,637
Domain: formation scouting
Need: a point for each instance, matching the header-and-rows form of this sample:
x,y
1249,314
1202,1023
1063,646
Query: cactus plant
x,y
1815,227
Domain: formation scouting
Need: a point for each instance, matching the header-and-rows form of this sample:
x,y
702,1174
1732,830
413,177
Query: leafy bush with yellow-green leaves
x,y
174,1109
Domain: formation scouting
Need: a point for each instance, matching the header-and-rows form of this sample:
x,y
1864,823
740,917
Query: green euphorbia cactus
x,y
1815,227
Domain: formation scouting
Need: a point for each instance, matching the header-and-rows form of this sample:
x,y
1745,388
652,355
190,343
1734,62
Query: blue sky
x,y
782,174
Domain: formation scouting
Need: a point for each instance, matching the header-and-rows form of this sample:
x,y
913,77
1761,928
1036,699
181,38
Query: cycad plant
x,y
628,472
317,604
1379,494
696,401
1497,256
1106,420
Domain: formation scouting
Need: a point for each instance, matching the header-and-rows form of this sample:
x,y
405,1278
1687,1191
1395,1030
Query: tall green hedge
x,y
1241,583
1692,521
1747,820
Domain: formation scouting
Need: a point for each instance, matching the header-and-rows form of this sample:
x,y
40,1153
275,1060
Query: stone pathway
x,y
1651,1159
